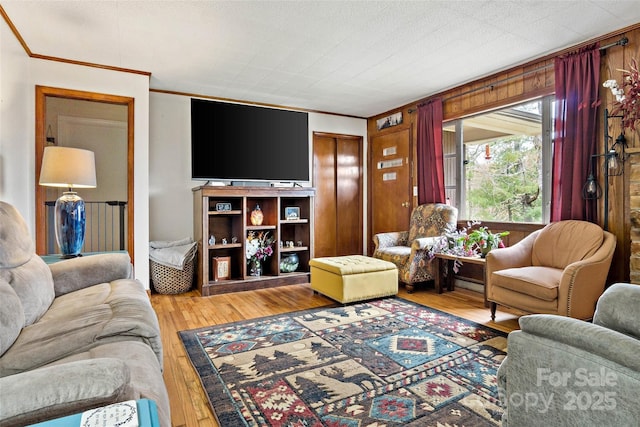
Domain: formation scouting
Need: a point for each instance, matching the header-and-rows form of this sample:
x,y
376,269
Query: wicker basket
x,y
167,280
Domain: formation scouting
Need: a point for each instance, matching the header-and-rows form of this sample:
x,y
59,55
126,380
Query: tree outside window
x,y
506,158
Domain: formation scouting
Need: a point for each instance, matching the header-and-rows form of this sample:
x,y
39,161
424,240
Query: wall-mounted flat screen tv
x,y
237,142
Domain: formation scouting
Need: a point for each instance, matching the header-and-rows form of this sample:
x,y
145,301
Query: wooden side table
x,y
444,267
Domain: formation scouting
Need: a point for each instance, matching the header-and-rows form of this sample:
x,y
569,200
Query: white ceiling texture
x,y
358,58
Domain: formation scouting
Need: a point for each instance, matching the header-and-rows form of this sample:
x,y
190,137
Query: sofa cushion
x,y
11,316
78,321
18,247
103,375
26,272
33,284
565,242
538,282
56,391
146,373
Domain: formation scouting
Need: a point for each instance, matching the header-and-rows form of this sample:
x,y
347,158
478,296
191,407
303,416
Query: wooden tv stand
x,y
225,213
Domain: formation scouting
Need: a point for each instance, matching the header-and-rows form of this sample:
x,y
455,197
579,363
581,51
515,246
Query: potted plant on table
x,y
480,241
467,242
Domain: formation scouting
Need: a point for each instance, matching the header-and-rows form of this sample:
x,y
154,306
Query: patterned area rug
x,y
388,362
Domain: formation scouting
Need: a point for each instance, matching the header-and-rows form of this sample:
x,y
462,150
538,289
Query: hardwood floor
x,y
189,405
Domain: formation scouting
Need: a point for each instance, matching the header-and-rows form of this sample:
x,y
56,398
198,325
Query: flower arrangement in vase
x,y
259,248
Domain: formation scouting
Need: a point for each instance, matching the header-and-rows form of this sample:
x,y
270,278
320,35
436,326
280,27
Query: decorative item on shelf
x,y
221,267
234,239
212,240
292,213
224,241
258,248
255,267
71,168
289,263
627,105
257,216
223,207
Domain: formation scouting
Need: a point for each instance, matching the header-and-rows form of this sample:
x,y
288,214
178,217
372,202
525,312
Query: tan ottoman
x,y
353,278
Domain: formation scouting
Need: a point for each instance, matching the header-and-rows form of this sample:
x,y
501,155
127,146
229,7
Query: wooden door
x,y
337,177
390,177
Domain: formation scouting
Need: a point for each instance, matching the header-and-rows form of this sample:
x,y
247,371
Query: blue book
x,y
145,411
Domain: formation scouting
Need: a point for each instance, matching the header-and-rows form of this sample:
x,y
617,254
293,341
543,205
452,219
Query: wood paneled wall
x,y
615,60
536,79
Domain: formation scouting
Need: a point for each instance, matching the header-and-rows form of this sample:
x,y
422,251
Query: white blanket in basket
x,y
174,254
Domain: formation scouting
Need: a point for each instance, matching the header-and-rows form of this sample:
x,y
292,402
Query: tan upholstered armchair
x,y
409,250
560,269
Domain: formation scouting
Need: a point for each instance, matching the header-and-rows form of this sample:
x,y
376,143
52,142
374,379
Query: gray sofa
x,y
562,371
74,335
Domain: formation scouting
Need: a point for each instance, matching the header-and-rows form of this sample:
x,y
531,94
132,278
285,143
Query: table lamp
x,y
71,168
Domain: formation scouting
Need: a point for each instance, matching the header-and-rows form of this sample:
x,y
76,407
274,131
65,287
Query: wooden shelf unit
x,y
237,223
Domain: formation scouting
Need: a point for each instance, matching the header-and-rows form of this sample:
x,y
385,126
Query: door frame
x,y
42,92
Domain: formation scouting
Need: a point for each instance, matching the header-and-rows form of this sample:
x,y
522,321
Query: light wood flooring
x,y
189,405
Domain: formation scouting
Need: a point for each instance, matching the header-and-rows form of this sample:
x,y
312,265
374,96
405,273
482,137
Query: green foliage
x,y
482,240
505,187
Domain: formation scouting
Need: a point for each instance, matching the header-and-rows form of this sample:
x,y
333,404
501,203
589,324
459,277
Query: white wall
x,y
18,79
163,205
170,184
16,149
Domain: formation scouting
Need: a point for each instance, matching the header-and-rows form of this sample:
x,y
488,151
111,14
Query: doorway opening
x,y
103,124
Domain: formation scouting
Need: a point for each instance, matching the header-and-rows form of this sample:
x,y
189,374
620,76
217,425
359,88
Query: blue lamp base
x,y
70,220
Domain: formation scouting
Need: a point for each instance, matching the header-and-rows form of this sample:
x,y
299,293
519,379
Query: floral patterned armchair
x,y
409,250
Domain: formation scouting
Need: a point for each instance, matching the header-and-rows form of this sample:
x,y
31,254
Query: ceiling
x,y
357,58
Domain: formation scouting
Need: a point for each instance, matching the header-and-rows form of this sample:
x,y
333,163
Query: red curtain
x,y
430,158
577,83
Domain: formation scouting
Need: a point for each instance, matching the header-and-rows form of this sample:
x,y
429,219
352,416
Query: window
x,y
498,164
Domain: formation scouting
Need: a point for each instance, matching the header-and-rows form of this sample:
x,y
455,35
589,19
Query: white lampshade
x,y
68,167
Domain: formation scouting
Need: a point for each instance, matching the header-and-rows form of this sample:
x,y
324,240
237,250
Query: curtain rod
x,y
622,42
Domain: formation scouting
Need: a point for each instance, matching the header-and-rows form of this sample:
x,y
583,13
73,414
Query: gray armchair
x,y
562,371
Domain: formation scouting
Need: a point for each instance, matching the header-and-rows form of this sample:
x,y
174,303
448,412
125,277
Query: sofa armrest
x,y
394,238
78,273
595,339
617,309
556,363
424,243
60,390
583,282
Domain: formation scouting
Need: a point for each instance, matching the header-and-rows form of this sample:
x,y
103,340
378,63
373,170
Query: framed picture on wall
x,y
388,121
221,267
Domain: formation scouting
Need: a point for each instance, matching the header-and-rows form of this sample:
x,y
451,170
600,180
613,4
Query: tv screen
x,y
248,143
